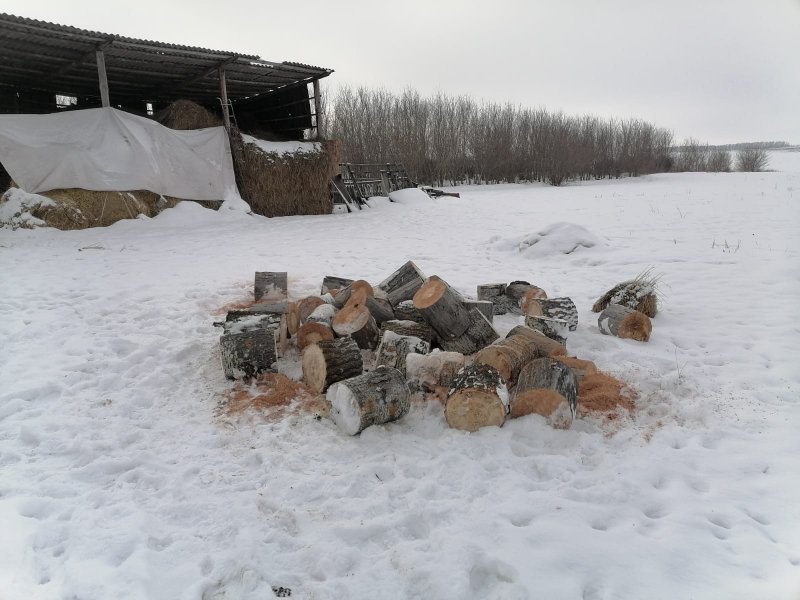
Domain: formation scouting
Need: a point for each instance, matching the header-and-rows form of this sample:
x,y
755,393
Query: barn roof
x,y
59,59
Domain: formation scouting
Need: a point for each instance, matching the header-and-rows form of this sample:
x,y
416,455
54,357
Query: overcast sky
x,y
722,71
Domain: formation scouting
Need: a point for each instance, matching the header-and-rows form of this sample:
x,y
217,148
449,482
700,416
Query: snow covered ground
x,y
120,478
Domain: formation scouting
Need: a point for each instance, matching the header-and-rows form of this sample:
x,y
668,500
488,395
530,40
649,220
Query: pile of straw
x,y
277,185
185,114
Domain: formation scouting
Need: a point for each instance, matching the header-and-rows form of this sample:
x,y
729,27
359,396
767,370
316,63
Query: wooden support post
x,y
101,74
318,109
223,90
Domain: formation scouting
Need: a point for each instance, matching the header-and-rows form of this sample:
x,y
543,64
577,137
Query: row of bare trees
x,y
444,139
696,157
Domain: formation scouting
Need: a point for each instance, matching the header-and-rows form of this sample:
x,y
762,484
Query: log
x,y
282,336
421,330
429,372
238,321
581,368
638,294
324,314
535,293
549,388
268,306
313,333
625,322
271,286
485,307
331,282
496,294
516,290
292,319
356,321
555,329
380,309
374,398
325,363
478,334
547,347
477,398
509,355
248,353
554,308
394,349
405,311
403,283
306,306
359,289
443,308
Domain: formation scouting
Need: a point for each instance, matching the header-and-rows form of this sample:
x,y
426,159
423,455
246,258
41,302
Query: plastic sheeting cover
x,y
105,149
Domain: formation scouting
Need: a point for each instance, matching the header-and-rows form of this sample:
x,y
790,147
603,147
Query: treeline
x,y
692,156
445,139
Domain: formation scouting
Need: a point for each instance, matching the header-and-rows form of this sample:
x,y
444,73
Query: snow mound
x,y
559,238
378,201
281,148
235,203
410,196
16,207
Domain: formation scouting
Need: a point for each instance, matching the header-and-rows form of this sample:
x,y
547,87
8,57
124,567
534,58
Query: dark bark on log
x,y
638,294
443,308
478,334
477,398
555,329
248,353
554,308
331,282
625,322
238,321
313,333
580,367
374,398
380,309
485,307
549,388
328,362
405,311
394,349
270,286
516,290
496,294
427,372
547,347
421,330
403,283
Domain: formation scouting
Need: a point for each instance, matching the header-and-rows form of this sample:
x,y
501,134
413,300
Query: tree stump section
x,y
581,368
359,290
625,322
547,347
405,311
548,388
516,291
508,356
248,353
478,334
331,282
554,308
434,371
421,330
356,321
374,398
555,329
306,306
324,314
443,308
380,309
238,321
496,294
394,349
485,307
271,286
477,398
535,293
403,283
638,294
328,362
313,333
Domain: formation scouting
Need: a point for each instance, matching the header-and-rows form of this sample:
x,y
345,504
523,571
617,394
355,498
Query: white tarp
x,y
105,149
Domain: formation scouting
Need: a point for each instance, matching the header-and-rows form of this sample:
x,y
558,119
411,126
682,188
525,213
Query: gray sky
x,y
722,71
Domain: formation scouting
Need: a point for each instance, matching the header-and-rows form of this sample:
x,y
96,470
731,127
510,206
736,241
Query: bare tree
x,y
752,160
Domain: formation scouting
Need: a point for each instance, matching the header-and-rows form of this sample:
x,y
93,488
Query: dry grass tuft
x,y
185,114
278,185
275,395
79,209
640,293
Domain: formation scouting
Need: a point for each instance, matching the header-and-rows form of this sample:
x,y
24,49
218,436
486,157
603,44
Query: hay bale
x,y
185,114
277,185
80,209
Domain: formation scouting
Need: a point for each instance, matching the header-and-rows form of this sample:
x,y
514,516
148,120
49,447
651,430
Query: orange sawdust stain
x,y
275,395
600,394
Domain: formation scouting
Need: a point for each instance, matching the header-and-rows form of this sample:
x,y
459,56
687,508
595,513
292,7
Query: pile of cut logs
x,y
424,337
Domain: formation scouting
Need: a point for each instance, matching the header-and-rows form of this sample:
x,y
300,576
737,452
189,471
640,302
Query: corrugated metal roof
x,y
59,59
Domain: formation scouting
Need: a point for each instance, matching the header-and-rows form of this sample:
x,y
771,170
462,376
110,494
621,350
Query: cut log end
x,y
312,333
471,409
430,293
547,403
625,322
325,363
